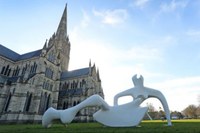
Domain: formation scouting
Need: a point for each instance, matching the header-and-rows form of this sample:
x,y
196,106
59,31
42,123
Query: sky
x,y
153,38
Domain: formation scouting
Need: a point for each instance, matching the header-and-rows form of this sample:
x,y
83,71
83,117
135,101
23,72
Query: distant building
x,y
31,83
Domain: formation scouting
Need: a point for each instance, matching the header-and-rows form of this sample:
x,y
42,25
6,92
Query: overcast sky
x,y
155,38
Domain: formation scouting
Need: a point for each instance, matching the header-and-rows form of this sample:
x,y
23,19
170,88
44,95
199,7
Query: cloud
x,y
140,3
85,20
152,50
173,5
136,54
112,17
179,92
143,53
181,82
194,33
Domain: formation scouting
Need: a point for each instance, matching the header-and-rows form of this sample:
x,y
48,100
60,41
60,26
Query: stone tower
x,y
62,42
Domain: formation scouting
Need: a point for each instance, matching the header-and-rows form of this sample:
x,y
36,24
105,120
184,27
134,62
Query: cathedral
x,y
30,83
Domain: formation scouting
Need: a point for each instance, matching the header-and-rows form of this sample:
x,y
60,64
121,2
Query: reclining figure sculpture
x,y
125,115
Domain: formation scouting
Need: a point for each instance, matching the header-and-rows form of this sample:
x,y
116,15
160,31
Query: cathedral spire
x,y
90,63
98,76
61,41
62,28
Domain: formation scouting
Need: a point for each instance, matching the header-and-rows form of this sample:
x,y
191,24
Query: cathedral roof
x,y
74,73
7,53
30,55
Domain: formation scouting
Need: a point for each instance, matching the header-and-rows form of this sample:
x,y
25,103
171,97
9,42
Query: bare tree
x,y
151,107
190,111
198,111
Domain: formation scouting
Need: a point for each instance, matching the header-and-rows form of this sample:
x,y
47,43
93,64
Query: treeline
x,y
190,112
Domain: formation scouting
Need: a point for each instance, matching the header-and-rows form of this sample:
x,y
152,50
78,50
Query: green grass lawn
x,y
179,126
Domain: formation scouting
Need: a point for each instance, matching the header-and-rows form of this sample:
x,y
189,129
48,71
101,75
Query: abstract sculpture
x,y
126,115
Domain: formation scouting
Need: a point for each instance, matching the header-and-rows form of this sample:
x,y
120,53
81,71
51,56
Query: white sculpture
x,y
125,115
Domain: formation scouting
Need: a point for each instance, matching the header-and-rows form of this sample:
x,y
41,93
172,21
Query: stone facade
x,y
31,83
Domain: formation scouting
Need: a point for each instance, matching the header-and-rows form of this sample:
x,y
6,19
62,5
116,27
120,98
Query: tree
x,y
176,115
151,107
190,111
152,111
198,111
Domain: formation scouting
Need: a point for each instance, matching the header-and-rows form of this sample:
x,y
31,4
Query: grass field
x,y
179,126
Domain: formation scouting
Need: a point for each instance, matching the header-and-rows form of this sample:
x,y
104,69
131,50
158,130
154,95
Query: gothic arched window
x,y
14,72
47,85
17,71
74,104
67,86
80,84
71,85
7,102
42,102
28,102
74,84
7,69
24,69
51,56
34,67
44,84
64,104
2,70
64,86
51,87
31,71
49,73
47,102
9,72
